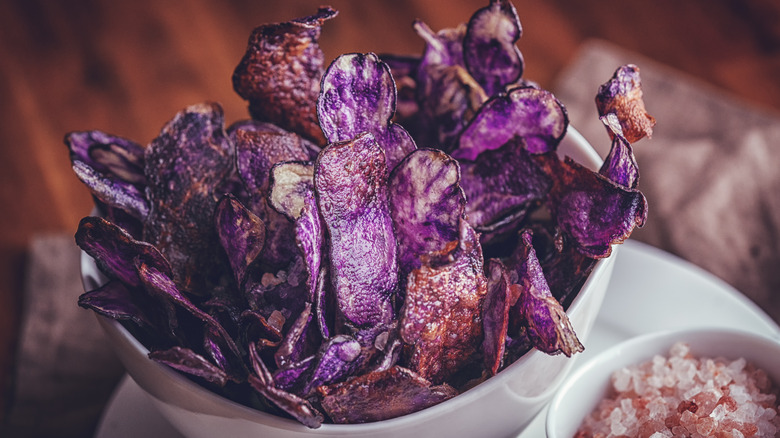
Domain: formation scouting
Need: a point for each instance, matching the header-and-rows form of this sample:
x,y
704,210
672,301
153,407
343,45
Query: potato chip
x,y
381,395
489,50
350,179
503,183
622,95
533,114
190,362
542,317
184,166
359,95
241,233
426,203
290,183
280,73
441,317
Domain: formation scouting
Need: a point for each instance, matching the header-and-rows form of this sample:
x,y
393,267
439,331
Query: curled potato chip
x,y
545,322
184,165
620,165
489,50
500,297
589,208
190,362
112,168
291,182
256,154
338,358
109,155
442,49
359,95
426,203
262,381
114,192
117,301
441,317
280,73
622,95
241,233
350,179
531,113
309,235
114,250
381,395
502,183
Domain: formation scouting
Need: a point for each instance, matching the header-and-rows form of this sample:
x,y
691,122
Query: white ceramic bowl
x,y
582,391
501,406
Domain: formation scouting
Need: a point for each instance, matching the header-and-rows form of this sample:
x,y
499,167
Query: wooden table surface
x,y
126,67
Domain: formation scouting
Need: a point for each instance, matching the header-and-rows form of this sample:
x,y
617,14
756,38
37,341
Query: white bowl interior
x,y
588,385
501,406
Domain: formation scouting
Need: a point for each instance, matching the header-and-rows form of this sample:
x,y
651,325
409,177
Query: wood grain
x,y
126,67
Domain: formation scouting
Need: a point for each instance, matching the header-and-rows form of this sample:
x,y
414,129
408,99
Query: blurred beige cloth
x,y
711,172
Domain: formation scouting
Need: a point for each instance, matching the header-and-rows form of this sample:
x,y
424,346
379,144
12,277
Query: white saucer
x,y
650,290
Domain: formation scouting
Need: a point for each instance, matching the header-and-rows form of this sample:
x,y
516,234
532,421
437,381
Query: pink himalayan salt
x,y
682,396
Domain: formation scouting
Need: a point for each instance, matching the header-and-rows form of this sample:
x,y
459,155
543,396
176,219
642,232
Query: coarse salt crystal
x,y
685,396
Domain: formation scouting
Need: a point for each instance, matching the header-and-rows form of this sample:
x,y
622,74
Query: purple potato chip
x,y
500,297
358,95
293,376
159,285
502,182
309,235
257,126
109,155
219,348
381,395
280,73
117,301
241,233
258,151
531,113
489,50
441,318
114,250
426,203
622,95
350,181
291,182
189,362
340,357
442,49
322,305
112,191
620,165
185,164
293,347
297,407
545,322
453,99
589,208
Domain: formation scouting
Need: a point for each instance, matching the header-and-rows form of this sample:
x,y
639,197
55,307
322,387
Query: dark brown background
x,y
126,67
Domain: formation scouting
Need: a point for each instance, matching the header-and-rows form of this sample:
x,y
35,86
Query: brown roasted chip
x,y
280,73
441,318
381,395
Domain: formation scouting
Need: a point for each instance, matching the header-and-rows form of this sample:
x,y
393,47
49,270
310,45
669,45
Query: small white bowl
x,y
582,391
501,406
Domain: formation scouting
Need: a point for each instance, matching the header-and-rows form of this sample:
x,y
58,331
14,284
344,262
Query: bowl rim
x,y
663,340
591,159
